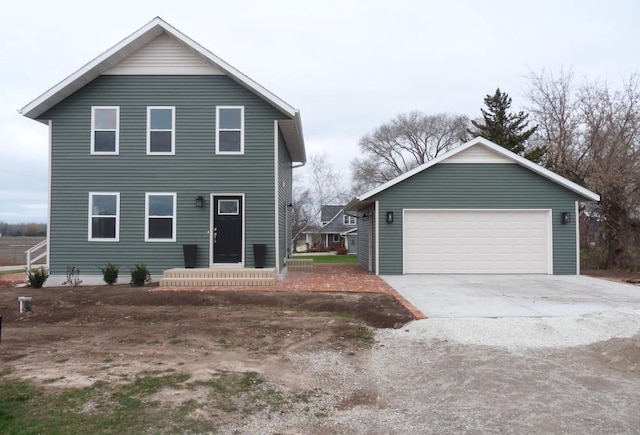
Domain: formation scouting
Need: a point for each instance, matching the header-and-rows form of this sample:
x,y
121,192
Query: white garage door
x,y
477,241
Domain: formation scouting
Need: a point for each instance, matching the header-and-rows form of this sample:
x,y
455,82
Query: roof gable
x,y
165,55
120,55
463,157
330,212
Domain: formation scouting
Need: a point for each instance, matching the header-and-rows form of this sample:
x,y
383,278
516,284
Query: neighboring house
x,y
157,143
476,209
337,229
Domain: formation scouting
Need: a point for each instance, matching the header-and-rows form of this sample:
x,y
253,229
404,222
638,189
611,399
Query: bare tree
x,y
593,138
302,215
407,141
314,186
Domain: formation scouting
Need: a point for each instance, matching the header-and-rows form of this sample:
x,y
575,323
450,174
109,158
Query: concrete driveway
x,y
513,295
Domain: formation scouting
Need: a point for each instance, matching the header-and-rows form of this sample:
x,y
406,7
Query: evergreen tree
x,y
504,128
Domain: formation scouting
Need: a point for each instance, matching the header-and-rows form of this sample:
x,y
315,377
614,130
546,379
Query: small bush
x,y
37,277
110,273
140,275
342,251
73,277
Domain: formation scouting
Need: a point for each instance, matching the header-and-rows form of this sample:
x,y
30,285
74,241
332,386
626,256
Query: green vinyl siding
x,y
477,186
284,199
194,170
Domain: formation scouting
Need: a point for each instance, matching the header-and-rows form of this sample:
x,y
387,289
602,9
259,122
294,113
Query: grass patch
x,y
133,407
11,272
363,335
324,259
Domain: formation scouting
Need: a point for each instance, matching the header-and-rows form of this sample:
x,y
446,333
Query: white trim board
x,y
276,192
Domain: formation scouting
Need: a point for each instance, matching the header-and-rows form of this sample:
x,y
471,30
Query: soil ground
x,y
139,328
320,346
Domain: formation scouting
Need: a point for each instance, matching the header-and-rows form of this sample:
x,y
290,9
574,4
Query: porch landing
x,y
206,277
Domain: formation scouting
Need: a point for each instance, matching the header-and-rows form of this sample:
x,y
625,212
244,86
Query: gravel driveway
x,y
576,374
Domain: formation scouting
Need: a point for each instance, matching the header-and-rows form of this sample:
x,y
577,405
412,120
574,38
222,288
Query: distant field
x,y
12,249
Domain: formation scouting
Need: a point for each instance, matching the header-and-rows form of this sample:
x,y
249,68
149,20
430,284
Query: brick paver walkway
x,y
324,278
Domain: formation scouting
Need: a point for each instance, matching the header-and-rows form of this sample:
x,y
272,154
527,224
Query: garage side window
x,y
160,217
104,216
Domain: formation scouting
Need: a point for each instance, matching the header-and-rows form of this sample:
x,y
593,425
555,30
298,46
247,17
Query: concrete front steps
x,y
215,277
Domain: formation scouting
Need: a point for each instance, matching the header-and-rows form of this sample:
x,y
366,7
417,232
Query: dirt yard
x,y
333,369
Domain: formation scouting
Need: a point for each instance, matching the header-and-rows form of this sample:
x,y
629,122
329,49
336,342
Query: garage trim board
x,y
477,241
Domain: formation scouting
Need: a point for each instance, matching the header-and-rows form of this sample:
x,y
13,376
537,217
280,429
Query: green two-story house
x,y
156,144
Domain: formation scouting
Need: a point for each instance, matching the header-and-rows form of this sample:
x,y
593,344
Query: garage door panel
x,y
476,241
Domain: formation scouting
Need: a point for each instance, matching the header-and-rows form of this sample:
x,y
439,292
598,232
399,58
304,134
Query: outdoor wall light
x,y
365,217
199,202
565,217
389,217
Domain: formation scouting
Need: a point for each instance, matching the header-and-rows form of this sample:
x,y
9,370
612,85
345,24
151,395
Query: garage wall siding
x,y
477,186
363,238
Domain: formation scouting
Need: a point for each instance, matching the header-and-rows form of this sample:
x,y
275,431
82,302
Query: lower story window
x,y
336,238
160,215
104,216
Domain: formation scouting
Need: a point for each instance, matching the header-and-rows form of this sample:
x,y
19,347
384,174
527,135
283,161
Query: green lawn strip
x,y
11,272
329,258
130,408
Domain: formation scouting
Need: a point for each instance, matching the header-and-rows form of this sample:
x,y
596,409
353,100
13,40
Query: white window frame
x,y
348,219
335,236
218,108
94,129
147,216
91,216
172,130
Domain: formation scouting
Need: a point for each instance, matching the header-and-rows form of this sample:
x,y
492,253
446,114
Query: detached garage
x,y
478,209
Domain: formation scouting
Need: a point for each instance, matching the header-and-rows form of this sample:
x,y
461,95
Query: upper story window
x,y
104,216
105,126
160,217
161,123
348,220
230,130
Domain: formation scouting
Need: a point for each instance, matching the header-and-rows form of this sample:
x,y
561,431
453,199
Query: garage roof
x,y
355,203
291,128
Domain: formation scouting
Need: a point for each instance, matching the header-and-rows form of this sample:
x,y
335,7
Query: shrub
x,y
140,275
37,277
342,251
73,277
110,273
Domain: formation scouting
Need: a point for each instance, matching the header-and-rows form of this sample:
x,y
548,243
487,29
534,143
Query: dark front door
x,y
227,229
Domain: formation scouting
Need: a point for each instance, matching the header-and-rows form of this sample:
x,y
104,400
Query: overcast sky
x,y
348,66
